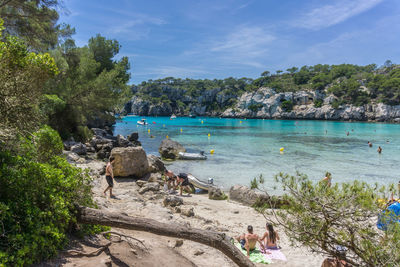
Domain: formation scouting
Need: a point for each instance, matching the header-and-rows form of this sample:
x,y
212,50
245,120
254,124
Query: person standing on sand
x,y
379,149
110,177
248,241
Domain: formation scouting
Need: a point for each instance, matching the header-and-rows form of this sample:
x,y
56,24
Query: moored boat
x,y
173,117
192,156
142,122
199,183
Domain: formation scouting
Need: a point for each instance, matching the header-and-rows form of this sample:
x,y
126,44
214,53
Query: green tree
x,y
22,76
35,22
320,218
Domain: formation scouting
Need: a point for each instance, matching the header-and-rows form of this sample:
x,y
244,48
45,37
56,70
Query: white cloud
x,y
331,14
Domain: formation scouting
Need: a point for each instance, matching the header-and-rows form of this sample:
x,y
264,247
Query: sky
x,y
238,38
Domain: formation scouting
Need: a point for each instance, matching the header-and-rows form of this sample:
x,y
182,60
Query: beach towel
x,y
275,254
255,255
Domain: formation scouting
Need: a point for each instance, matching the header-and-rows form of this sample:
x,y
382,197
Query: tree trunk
x,y
213,239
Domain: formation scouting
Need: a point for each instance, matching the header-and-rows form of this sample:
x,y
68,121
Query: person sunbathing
x,y
270,237
248,241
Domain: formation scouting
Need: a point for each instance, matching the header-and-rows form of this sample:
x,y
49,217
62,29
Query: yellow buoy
x,y
240,121
212,151
281,149
181,130
209,135
163,125
166,137
202,122
148,130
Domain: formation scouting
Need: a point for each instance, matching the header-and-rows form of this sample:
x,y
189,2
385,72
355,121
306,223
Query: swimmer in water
x,y
347,133
369,144
379,149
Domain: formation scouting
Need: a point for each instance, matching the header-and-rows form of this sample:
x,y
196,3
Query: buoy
x,y
202,122
181,130
166,137
209,135
212,151
154,122
148,130
282,148
240,121
163,125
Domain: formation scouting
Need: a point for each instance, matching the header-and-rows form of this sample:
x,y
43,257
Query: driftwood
x,y
213,239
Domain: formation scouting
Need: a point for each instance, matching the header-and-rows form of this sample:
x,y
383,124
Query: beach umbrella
x,y
389,216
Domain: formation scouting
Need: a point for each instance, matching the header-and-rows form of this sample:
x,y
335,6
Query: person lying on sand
x,y
248,241
183,181
171,180
270,237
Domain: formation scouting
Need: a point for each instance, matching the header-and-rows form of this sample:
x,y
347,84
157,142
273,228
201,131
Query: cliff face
x,y
266,103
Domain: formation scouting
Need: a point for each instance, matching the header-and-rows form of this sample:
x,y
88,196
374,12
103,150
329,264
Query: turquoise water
x,y
247,148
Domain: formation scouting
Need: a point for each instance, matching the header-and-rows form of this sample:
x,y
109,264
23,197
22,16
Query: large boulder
x,y
155,164
130,161
79,149
245,195
170,149
122,141
154,187
252,197
133,136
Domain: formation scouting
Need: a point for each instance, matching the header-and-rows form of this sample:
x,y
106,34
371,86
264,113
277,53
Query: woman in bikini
x,y
270,237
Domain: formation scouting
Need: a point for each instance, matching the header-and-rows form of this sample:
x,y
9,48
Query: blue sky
x,y
238,38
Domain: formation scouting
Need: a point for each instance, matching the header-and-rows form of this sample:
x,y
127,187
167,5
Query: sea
x,y
247,148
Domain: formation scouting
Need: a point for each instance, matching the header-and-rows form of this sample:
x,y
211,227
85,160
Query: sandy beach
x,y
224,216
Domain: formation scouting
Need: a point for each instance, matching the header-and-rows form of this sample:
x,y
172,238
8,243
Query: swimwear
x,y
109,180
185,179
243,242
273,247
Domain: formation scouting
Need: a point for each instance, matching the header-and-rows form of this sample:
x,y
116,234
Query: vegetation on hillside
x,y
351,84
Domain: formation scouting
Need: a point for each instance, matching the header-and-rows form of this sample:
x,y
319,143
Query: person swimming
x,y
379,149
369,144
328,179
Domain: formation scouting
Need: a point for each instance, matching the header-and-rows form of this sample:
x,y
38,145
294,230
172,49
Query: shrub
x,y
318,103
255,107
287,105
37,201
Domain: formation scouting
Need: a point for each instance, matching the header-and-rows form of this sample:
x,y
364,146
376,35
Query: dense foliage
x,y
322,217
89,86
22,76
351,84
38,191
35,22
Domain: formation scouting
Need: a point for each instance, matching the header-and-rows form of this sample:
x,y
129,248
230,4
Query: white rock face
x,y
269,107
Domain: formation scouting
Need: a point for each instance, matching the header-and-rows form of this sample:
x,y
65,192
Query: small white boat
x,y
173,117
142,122
199,183
192,156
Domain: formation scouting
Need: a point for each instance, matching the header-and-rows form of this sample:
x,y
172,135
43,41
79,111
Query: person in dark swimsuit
x,y
171,179
109,177
183,181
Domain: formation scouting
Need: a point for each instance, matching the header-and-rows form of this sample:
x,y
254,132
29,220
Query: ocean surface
x,y
245,149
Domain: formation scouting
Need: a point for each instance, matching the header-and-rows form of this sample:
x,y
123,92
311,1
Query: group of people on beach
x,y
269,240
173,181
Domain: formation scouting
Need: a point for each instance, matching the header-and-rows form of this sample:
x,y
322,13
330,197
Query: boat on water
x,y
131,115
142,122
192,116
201,184
192,156
173,117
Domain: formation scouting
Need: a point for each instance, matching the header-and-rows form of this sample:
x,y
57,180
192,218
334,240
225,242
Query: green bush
x,y
255,107
83,133
37,201
287,105
48,144
318,103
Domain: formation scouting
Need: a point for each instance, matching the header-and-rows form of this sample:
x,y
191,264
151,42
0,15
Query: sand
x,y
225,216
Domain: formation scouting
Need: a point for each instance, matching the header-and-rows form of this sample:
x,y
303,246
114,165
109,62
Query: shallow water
x,y
247,148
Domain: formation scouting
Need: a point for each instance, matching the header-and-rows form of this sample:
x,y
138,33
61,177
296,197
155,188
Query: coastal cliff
x,y
265,103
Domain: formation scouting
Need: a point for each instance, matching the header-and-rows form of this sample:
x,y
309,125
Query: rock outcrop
x,y
130,161
216,194
170,149
245,195
155,164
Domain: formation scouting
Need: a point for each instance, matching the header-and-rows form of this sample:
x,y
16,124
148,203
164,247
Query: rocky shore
x,y
141,194
266,103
